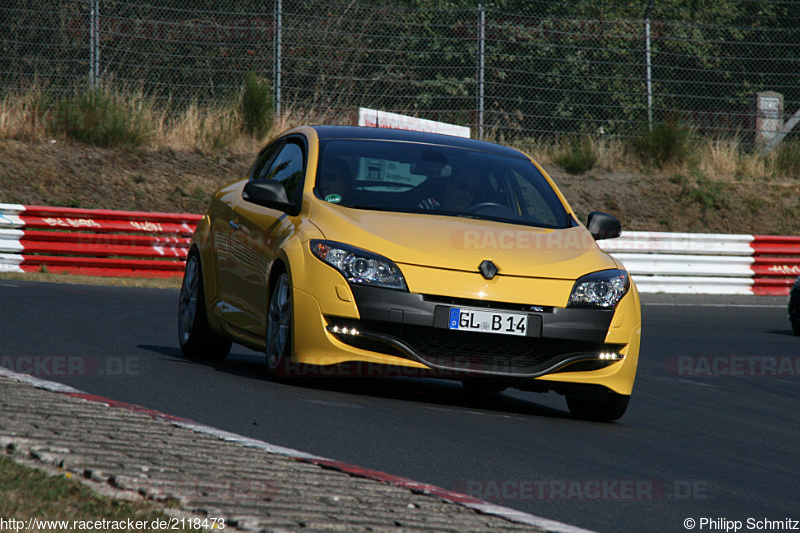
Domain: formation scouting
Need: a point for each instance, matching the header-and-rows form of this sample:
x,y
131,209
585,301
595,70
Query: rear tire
x,y
598,410
194,334
279,328
794,307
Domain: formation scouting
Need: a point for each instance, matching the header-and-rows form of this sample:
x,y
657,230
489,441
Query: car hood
x,y
462,243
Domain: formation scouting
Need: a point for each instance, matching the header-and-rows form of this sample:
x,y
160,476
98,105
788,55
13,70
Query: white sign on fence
x,y
373,118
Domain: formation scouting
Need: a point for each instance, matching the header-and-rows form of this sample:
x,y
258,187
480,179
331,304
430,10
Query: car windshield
x,y
436,180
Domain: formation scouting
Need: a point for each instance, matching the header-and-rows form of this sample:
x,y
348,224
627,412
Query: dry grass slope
x,y
178,158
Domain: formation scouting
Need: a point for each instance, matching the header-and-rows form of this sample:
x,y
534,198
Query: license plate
x,y
484,321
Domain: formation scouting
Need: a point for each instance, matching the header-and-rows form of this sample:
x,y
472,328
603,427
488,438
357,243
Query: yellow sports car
x,y
435,255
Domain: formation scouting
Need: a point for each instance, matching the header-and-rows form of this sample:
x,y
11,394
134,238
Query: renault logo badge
x,y
488,269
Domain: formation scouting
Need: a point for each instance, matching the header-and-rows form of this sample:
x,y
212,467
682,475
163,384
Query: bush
x,y
255,106
787,159
100,117
709,194
578,157
668,142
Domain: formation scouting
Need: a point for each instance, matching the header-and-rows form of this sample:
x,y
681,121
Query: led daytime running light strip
x,y
343,330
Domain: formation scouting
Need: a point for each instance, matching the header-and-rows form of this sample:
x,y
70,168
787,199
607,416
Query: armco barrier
x,y
125,243
703,263
93,242
777,263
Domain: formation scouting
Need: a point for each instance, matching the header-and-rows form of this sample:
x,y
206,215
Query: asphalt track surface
x,y
697,442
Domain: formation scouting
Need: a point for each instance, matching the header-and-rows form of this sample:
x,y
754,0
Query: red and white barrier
x,y
702,263
94,242
134,243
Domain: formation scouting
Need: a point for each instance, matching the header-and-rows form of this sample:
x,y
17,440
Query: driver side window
x,y
261,165
283,162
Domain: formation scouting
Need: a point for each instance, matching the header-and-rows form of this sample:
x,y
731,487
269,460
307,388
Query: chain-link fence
x,y
531,68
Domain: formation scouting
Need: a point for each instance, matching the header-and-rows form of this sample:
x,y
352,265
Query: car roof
x,y
388,134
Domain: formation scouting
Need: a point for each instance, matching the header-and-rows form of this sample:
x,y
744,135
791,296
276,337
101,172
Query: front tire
x,y
194,334
279,327
608,409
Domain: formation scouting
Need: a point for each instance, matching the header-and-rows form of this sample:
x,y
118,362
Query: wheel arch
x,y
208,275
278,266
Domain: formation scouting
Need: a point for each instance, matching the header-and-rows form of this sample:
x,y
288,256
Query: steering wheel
x,y
483,205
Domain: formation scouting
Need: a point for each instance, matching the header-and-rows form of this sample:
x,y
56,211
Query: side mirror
x,y
603,226
267,193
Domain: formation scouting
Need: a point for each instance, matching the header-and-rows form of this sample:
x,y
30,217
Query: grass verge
x,y
27,493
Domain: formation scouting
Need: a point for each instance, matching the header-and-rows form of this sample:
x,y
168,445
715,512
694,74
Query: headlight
x,y
359,266
602,289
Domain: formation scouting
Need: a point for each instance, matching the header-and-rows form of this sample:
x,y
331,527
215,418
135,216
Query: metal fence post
x,y
277,75
481,65
94,45
649,74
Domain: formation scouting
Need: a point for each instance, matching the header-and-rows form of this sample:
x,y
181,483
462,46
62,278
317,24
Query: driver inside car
x,y
460,192
334,181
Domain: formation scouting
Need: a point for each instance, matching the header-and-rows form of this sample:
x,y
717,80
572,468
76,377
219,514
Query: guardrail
x,y
703,263
134,243
93,242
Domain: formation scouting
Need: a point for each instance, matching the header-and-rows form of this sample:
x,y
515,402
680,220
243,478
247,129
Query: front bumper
x,y
415,327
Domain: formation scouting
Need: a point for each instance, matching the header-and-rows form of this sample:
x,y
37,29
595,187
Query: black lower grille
x,y
468,351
